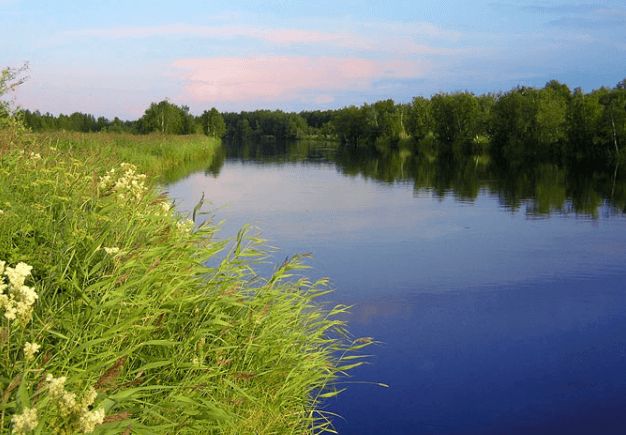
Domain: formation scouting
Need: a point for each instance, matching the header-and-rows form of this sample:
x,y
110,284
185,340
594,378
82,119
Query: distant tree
x,y
318,120
165,118
349,125
420,118
457,119
213,123
244,131
560,89
513,123
583,119
389,126
612,129
550,129
10,79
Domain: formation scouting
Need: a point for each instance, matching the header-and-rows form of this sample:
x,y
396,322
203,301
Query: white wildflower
x,y
56,386
89,397
129,185
35,156
18,274
106,181
185,226
65,400
112,250
67,403
1,212
90,419
30,350
18,301
128,166
25,422
165,206
10,311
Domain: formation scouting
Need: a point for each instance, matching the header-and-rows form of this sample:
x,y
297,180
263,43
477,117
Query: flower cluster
x,y
78,411
30,350
165,206
111,251
89,420
128,185
185,226
25,422
16,299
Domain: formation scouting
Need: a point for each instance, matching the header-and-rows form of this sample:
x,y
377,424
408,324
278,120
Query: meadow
x,y
111,321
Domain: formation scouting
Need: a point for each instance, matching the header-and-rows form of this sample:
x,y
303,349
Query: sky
x,y
113,58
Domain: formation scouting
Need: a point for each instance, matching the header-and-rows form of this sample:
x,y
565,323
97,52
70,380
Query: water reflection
x,y
497,293
211,166
539,190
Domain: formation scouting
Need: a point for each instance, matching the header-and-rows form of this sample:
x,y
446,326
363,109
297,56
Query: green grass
x,y
169,344
164,157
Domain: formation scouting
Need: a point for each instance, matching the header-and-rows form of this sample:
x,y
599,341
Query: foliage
x,y
525,124
163,117
213,123
166,118
583,120
264,125
10,79
420,118
134,332
457,118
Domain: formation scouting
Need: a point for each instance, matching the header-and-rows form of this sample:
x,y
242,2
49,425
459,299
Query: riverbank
x,y
123,327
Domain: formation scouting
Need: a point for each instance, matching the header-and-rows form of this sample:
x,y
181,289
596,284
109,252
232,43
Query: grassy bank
x,y
120,327
161,157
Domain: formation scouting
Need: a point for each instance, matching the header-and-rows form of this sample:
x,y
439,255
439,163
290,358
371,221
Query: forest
x,y
163,117
553,123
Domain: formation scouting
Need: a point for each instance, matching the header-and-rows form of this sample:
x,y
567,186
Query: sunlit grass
x,y
128,307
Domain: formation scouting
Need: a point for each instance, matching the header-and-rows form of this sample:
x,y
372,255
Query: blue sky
x,y
115,57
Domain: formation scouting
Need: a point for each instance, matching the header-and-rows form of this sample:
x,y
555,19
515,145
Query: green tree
x,y
165,118
613,121
550,128
420,121
457,119
583,119
10,79
349,124
513,123
213,123
388,126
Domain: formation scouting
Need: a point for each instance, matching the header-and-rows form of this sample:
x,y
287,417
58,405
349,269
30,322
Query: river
x,y
498,298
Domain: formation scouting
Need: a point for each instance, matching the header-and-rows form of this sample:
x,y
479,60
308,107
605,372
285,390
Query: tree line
x,y
549,123
526,123
162,117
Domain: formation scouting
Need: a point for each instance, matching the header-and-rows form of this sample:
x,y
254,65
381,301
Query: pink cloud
x,y
278,36
282,78
383,38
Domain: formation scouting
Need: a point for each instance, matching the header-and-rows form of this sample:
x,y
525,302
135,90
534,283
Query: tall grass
x,y
128,308
157,155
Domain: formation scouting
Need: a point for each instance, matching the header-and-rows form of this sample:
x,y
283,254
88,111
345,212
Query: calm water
x,y
499,298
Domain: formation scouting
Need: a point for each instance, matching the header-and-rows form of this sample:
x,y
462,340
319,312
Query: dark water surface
x,y
499,297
